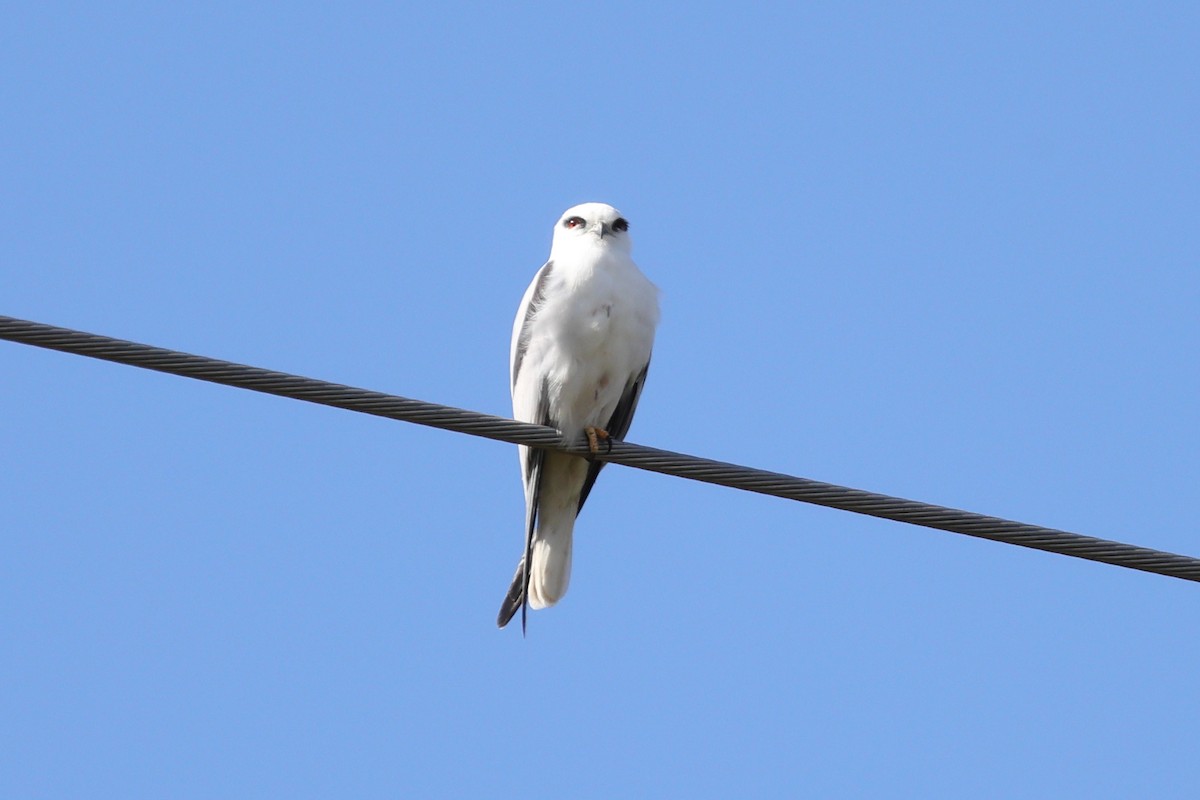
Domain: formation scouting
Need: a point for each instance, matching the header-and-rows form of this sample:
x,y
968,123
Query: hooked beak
x,y
604,230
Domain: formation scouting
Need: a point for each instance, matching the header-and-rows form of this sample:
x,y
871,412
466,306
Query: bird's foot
x,y
595,436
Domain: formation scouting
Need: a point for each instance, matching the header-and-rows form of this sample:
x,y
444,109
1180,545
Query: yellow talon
x,y
594,435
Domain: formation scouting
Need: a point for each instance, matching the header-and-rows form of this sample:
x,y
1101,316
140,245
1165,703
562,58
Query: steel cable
x,y
626,453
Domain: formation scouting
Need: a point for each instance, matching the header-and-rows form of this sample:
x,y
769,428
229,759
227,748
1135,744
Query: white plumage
x,y
580,350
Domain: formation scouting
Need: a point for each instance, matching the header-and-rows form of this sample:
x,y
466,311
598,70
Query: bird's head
x,y
591,225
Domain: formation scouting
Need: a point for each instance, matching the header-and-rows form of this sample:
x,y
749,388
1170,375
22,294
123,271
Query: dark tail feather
x,y
518,592
512,601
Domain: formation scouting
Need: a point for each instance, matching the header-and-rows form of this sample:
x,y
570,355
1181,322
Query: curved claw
x,y
594,436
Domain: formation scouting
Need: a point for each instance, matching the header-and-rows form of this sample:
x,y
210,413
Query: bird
x,y
581,346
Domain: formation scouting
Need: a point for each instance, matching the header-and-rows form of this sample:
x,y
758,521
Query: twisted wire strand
x,y
626,453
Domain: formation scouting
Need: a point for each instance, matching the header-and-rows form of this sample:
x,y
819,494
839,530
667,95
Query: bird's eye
x,y
573,222
621,224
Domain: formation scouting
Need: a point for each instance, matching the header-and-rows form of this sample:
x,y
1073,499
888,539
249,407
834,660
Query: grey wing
x,y
531,461
530,404
535,295
618,426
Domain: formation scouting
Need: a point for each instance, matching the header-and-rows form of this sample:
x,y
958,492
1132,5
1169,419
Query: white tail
x,y
550,570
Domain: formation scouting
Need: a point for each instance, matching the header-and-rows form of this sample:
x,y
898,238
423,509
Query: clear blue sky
x,y
943,252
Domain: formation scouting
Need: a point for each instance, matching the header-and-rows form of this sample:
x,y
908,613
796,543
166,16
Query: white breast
x,y
594,334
